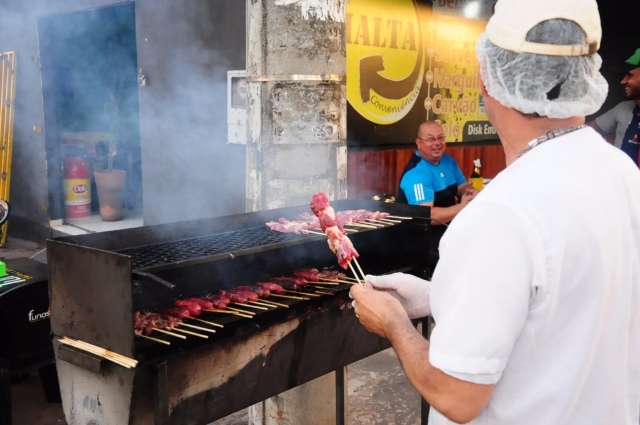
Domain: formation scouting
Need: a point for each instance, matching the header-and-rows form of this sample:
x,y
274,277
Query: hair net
x,y
551,86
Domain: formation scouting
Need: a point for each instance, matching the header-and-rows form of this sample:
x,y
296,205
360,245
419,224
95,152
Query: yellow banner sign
x,y
402,56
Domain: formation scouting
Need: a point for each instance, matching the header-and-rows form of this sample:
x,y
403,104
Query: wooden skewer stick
x,y
251,306
337,282
366,222
275,303
374,222
399,217
116,358
119,358
239,310
291,297
102,352
324,288
384,223
264,304
351,230
231,312
354,273
162,331
302,293
313,232
345,277
150,338
355,259
199,328
217,325
364,226
386,220
323,292
190,333
329,283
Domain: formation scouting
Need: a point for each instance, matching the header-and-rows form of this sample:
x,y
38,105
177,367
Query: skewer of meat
x,y
261,293
275,290
338,241
167,322
347,220
314,275
146,323
221,303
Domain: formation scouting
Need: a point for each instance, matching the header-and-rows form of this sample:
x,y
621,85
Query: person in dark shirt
x,y
622,123
433,178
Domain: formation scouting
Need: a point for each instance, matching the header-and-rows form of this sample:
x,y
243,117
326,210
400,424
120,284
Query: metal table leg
x,y
424,406
340,410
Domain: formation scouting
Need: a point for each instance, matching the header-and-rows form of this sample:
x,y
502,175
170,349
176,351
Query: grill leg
x,y
340,410
162,395
424,406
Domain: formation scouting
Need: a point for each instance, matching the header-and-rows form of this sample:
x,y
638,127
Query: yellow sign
x,y
453,78
385,58
402,56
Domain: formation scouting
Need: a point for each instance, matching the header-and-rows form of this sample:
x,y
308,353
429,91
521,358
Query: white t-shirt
x,y
617,120
538,288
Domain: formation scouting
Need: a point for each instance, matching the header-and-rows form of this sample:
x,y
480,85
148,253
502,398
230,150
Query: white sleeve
x,y
480,293
607,121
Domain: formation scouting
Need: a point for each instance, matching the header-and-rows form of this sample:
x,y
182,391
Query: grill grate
x,y
202,246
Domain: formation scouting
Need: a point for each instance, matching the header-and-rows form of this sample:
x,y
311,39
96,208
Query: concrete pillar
x,y
296,101
296,141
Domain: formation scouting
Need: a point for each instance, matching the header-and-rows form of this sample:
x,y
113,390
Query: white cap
x,y
513,19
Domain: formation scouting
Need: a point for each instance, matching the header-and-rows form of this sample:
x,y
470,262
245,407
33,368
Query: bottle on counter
x,y
476,181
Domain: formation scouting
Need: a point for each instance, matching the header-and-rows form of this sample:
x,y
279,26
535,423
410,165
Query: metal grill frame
x,y
147,257
93,288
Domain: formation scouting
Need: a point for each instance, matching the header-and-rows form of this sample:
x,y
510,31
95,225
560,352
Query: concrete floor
x,y
379,394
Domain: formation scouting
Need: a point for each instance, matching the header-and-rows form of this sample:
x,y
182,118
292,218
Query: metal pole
x,y
340,396
424,406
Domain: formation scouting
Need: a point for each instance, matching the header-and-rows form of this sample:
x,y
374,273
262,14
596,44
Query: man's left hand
x,y
378,311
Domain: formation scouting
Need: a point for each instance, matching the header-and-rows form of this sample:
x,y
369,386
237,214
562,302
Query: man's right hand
x,y
411,291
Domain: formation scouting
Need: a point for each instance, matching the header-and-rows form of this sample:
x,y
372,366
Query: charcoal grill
x,y
98,281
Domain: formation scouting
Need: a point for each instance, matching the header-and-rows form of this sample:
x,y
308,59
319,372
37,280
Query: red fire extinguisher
x,y
77,187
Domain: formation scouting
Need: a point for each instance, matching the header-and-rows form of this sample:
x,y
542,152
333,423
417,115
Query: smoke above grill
x,y
147,77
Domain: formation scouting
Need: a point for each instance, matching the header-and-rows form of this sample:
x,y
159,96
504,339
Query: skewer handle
x,y
150,338
399,217
217,325
364,278
231,312
200,328
291,297
190,333
175,335
251,306
354,273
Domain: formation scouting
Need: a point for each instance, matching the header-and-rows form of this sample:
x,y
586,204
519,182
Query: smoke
x,y
187,99
78,78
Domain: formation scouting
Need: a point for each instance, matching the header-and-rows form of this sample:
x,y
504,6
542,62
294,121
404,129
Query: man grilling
x,y
536,297
433,178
